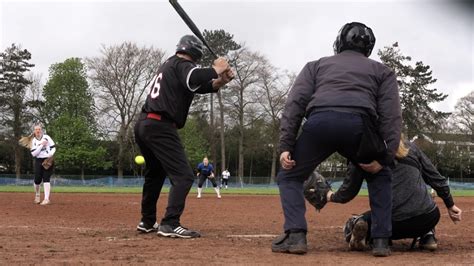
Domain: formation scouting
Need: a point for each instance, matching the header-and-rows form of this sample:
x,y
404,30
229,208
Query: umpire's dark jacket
x,y
347,82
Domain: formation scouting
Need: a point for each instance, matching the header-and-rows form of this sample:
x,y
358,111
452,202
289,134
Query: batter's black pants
x,y
203,178
164,154
323,134
410,228
42,174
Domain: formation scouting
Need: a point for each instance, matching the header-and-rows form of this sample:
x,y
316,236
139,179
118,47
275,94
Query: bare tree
x,y
222,110
34,95
273,86
464,114
121,76
222,43
240,98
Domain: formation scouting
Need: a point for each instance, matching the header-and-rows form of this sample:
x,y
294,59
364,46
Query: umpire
x,y
338,95
165,110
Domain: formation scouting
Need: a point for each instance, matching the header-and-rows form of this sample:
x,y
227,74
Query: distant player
x,y
156,132
205,170
225,178
42,148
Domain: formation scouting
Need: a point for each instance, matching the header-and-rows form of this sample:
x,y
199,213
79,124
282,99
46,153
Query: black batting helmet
x,y
355,36
190,45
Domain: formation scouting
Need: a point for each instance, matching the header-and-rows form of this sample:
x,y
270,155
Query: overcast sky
x,y
290,33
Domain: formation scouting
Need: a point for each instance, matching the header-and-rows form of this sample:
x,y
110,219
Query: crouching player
x,y
414,213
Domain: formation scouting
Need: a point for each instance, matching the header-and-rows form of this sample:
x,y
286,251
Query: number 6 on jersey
x,y
155,86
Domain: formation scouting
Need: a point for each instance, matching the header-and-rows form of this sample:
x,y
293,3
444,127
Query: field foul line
x,y
252,236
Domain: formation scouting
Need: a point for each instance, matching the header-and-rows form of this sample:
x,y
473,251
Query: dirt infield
x,y
100,228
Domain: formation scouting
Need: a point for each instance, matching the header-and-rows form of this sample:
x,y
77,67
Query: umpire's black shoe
x,y
289,242
380,247
176,231
428,241
146,228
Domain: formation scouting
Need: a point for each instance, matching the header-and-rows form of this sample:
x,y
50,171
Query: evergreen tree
x,y
13,106
416,92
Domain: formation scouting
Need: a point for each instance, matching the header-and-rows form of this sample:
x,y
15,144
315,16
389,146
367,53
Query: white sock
x,y
199,191
37,189
47,189
217,191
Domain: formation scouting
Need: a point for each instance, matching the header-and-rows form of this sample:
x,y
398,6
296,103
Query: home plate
x,y
252,236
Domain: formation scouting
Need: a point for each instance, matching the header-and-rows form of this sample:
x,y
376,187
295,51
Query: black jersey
x,y
171,93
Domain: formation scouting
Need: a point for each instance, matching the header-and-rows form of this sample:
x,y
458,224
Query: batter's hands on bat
x,y
373,167
223,79
286,161
221,65
228,75
455,214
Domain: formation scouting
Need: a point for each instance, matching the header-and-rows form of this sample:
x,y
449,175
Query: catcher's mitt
x,y
315,190
48,162
26,141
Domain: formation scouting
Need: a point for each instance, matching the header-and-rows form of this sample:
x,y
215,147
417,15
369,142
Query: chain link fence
x,y
137,181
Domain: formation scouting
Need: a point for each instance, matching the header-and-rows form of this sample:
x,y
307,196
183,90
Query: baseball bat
x,y
191,24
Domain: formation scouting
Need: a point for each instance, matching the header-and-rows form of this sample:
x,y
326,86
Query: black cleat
x,y
178,231
380,247
428,241
145,228
294,243
359,233
355,232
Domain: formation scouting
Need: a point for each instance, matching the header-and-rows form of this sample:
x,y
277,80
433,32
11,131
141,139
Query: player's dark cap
x,y
355,36
190,45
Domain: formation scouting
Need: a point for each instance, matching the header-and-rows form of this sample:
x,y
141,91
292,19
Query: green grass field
x,y
134,190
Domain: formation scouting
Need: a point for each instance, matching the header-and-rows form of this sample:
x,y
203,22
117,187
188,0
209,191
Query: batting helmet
x,y
190,45
355,36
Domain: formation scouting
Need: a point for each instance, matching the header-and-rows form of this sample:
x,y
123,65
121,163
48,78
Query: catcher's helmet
x,y
355,36
190,45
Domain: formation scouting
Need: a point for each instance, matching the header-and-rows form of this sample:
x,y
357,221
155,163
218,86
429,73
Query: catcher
x,y
42,147
205,170
414,213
